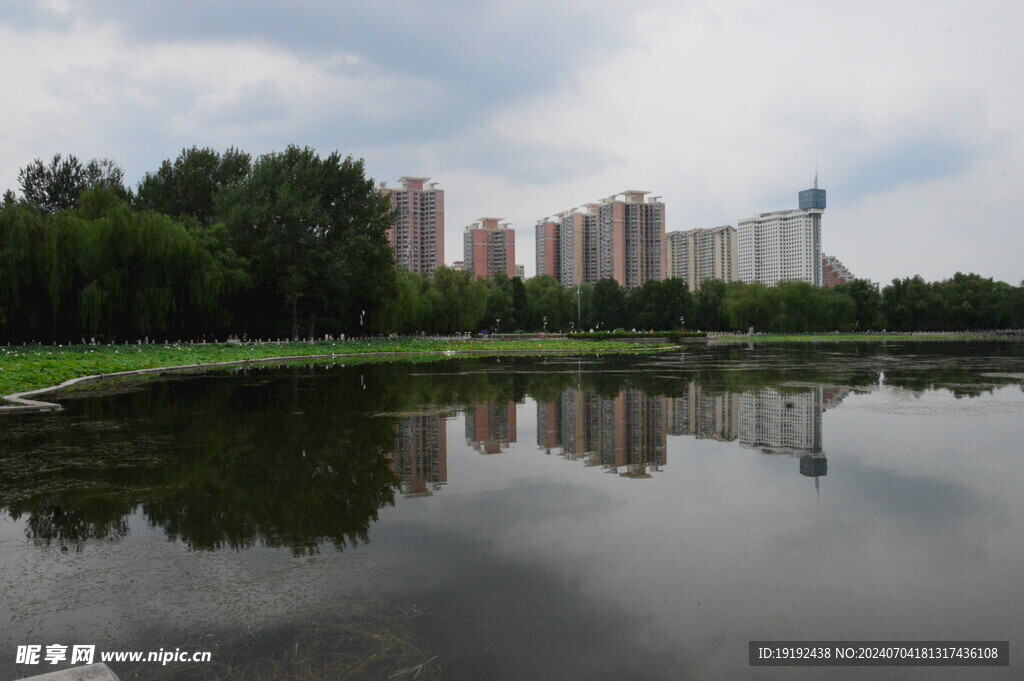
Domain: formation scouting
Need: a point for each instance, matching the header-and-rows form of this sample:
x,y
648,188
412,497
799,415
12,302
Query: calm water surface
x,y
636,517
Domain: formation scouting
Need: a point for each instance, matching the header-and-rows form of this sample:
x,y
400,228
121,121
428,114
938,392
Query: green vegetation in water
x,y
610,335
866,337
33,367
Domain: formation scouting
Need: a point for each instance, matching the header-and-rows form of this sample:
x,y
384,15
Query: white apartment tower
x,y
784,245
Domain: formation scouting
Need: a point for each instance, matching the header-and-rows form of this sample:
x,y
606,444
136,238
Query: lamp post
x,y
497,326
362,314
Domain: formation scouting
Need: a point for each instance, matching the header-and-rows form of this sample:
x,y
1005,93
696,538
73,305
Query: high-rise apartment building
x,y
521,271
620,237
489,247
699,254
547,244
784,245
579,254
417,234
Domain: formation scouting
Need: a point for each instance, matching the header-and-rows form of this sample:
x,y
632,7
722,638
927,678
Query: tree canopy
x,y
188,185
314,230
57,186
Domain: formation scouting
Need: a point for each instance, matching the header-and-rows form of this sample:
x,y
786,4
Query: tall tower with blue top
x,y
813,199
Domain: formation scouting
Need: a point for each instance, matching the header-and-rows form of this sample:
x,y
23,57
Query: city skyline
x,y
917,133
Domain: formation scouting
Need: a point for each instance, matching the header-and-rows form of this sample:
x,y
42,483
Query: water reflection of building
x,y
813,465
832,396
624,434
781,423
491,426
548,420
789,423
704,415
629,431
420,460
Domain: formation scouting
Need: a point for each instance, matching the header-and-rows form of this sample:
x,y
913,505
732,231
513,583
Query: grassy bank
x,y
868,337
31,367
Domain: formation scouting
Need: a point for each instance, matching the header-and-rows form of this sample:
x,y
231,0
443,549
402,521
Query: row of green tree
x,y
452,301
294,244
291,244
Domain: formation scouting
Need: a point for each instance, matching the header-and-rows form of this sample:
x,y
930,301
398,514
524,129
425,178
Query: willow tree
x,y
24,306
104,270
314,230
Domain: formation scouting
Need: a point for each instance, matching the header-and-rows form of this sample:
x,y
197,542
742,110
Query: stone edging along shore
x,y
22,401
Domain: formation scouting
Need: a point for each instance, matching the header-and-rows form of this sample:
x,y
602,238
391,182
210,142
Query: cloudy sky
x,y
913,112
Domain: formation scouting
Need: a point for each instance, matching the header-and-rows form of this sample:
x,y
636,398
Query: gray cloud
x,y
481,55
31,15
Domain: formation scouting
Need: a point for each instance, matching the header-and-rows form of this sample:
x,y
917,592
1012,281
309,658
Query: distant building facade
x,y
621,237
417,233
489,247
521,271
699,254
833,272
784,245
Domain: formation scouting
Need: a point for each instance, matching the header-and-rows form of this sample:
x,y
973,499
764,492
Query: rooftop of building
x,y
409,182
489,223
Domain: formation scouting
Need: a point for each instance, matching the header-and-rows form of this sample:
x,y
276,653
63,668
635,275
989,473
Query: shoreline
x,y
28,371
1010,336
22,402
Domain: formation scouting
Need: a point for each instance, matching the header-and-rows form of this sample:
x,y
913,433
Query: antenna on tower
x,y
815,175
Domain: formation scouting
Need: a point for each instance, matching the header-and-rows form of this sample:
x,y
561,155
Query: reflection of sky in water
x,y
536,566
725,544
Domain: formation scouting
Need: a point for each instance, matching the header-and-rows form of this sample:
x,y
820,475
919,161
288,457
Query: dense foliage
x,y
103,270
452,301
293,244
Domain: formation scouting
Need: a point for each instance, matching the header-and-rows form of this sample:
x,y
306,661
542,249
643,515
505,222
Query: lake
x,y
622,517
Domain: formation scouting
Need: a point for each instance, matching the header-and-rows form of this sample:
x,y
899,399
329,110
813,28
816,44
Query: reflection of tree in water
x,y
331,494
51,523
234,464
